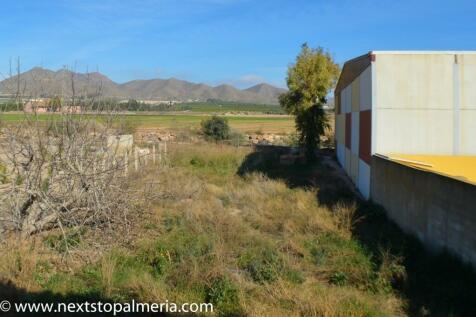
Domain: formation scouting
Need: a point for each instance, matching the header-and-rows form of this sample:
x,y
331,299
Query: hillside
x,y
43,82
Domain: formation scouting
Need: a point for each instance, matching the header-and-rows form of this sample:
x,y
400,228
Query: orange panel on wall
x,y
365,136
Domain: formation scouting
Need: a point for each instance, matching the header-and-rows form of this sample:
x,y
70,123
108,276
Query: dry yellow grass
x,y
251,245
108,268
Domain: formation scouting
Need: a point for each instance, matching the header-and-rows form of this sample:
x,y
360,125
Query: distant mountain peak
x,y
225,86
42,81
263,86
37,68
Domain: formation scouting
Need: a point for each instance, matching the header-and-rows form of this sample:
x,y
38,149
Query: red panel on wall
x,y
365,135
348,130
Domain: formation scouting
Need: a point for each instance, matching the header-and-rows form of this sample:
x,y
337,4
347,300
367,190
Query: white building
x,y
404,103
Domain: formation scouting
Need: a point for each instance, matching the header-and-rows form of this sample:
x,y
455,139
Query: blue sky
x,y
241,42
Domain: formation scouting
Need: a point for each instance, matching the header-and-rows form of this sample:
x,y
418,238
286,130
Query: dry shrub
x,y
62,166
148,288
62,173
286,299
345,218
251,245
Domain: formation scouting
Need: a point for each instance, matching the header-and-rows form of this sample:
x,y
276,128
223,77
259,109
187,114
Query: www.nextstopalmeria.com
x,y
104,307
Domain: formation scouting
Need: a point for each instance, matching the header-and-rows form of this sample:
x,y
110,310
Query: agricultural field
x,y
215,107
245,124
224,107
279,124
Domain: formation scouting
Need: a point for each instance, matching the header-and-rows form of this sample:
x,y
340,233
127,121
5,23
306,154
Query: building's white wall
x,y
341,154
346,96
354,168
373,70
414,131
467,115
468,132
342,101
415,81
364,179
467,81
340,128
424,104
366,89
347,165
355,97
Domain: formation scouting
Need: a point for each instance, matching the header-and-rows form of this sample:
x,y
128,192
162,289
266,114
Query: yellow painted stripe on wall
x,y
462,168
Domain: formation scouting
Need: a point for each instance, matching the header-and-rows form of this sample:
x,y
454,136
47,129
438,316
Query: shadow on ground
x,y
279,162
435,284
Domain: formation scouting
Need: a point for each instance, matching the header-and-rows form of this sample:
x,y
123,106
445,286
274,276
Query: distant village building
x,y
406,135
37,105
71,109
44,105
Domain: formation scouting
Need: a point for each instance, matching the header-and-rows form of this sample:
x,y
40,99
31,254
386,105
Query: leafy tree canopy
x,y
309,81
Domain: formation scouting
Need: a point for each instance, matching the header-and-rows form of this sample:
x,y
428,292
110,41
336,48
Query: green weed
x,y
61,243
224,295
263,264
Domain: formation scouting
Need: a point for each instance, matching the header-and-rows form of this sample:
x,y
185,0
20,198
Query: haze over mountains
x,y
43,82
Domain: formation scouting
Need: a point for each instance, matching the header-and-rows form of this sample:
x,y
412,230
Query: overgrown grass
x,y
251,245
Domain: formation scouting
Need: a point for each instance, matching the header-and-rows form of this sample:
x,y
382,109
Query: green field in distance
x,y
247,124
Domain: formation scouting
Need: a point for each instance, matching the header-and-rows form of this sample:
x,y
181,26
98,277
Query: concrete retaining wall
x,y
441,211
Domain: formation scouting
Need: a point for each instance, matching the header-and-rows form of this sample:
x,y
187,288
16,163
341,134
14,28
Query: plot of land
x,y
245,124
234,227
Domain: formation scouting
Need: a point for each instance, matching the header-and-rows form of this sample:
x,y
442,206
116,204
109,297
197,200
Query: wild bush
x,y
346,259
61,243
223,293
237,138
216,128
263,263
62,173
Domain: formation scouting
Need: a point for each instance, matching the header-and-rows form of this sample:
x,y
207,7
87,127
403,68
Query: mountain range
x,y
43,82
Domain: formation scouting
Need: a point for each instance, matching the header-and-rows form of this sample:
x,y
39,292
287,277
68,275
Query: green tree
x,y
309,81
216,128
